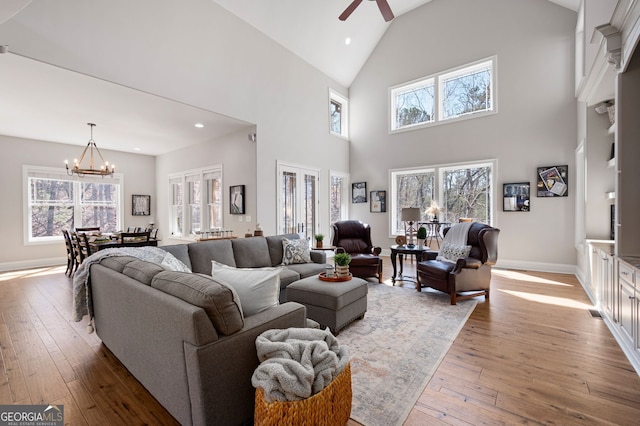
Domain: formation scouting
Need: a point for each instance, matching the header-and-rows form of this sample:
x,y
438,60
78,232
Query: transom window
x,y
338,115
459,190
454,94
57,201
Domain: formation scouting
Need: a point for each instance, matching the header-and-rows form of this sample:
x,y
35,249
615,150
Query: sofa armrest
x,y
467,263
429,255
220,373
318,256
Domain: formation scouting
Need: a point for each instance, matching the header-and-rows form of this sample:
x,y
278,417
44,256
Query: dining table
x,y
117,242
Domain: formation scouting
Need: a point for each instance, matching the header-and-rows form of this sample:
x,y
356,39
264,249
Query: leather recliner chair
x,y
354,236
471,274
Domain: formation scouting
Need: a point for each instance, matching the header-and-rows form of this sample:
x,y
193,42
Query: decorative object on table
x,y
378,202
342,260
515,197
421,236
141,205
104,170
319,238
359,192
401,240
236,199
410,216
433,211
258,232
553,181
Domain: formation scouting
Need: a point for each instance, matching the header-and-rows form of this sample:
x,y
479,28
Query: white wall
x,y
196,52
535,125
139,178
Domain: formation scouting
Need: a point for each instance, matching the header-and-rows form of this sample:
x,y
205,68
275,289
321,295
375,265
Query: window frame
x,y
344,114
345,201
437,80
61,174
439,170
183,178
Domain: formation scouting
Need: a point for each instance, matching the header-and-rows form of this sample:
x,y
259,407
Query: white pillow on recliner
x,y
257,288
452,252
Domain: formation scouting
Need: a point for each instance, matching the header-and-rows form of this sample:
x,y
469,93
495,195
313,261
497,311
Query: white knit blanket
x,y
297,363
456,236
82,304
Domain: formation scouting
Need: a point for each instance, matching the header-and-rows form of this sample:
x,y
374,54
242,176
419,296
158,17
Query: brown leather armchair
x,y
355,237
471,275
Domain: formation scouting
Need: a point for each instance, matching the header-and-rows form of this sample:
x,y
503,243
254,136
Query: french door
x,y
297,200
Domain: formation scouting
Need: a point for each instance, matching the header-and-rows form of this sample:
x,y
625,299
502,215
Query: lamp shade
x,y
410,214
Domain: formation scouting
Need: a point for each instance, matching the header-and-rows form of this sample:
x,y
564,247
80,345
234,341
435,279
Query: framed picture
x,y
378,201
553,181
359,192
515,197
236,197
141,205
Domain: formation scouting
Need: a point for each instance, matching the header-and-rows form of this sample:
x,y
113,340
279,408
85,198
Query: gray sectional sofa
x,y
182,335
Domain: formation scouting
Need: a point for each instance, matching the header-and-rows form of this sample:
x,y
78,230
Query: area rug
x,y
396,348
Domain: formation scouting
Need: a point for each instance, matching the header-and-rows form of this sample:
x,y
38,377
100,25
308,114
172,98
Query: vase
x,y
421,243
319,244
342,271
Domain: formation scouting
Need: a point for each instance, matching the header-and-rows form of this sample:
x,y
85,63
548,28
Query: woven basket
x,y
331,406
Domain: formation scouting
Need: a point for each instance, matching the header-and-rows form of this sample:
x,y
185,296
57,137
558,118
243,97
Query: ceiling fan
x,y
387,14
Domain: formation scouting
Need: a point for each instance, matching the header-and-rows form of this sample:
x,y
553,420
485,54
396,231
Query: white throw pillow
x,y
295,251
452,252
257,288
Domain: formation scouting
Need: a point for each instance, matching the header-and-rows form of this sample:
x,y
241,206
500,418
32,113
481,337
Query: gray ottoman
x,y
332,304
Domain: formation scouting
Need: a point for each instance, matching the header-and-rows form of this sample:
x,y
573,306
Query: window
x,y
196,201
338,115
460,190
57,201
463,92
338,196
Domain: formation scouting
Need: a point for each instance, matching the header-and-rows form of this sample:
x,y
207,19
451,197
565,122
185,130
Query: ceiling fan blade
x,y
387,14
349,10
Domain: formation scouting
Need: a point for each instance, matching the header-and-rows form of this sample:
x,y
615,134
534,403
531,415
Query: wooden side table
x,y
401,250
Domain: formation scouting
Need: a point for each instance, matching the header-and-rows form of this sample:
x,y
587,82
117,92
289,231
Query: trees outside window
x,y
57,201
338,115
196,201
463,92
464,190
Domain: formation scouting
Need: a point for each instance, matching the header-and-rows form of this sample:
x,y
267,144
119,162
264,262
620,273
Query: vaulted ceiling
x,y
308,28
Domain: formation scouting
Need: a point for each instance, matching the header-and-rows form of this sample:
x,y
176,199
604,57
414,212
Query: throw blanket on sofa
x,y
297,363
455,242
81,289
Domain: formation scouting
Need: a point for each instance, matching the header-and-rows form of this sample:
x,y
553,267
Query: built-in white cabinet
x,y
625,323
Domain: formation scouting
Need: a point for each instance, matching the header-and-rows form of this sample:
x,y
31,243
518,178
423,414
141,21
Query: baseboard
x,y
32,263
524,265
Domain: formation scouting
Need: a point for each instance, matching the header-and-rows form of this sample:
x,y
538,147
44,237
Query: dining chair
x,y
77,249
71,257
84,245
133,237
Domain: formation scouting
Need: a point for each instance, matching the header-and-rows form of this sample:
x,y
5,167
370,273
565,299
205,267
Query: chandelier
x,y
104,170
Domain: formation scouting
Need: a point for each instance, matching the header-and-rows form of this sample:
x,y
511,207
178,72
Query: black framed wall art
x,y
141,205
359,192
553,181
515,197
378,201
236,199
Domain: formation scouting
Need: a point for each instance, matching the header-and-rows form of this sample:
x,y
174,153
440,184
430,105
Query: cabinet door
x,y
627,307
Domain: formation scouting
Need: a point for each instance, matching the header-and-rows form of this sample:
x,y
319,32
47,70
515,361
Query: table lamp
x,y
410,216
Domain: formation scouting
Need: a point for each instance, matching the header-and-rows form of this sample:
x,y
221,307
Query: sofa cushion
x,y
180,252
258,288
308,269
217,300
117,263
295,251
142,271
203,252
274,242
251,252
288,275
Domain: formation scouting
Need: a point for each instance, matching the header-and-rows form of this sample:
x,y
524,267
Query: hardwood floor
x,y
532,354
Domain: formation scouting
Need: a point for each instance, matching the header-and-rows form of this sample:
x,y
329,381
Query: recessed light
x,y
347,41
199,125
137,149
